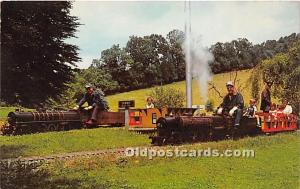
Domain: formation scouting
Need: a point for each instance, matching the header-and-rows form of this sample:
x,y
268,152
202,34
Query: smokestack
x,y
188,67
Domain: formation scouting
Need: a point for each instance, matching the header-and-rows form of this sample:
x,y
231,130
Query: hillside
x,y
218,80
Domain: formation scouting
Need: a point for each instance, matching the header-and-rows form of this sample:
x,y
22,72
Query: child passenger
x,y
273,109
150,103
251,110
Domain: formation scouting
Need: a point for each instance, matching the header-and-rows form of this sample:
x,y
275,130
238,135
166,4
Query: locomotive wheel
x,y
18,131
44,128
66,127
52,127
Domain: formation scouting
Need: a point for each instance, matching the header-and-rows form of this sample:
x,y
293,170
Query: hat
x,y
229,83
88,85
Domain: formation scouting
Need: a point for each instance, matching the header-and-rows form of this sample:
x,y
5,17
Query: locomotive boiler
x,y
19,122
200,128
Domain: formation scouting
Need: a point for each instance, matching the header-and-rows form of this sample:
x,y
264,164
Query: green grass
x,y
218,80
68,141
275,165
5,110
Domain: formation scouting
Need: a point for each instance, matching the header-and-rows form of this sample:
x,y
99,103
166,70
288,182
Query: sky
x,y
107,23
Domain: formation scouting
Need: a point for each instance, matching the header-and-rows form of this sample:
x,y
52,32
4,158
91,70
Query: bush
x,y
209,106
167,97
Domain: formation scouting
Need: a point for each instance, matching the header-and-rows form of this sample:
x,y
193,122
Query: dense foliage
x,y
167,97
283,70
38,65
36,61
242,54
154,60
145,61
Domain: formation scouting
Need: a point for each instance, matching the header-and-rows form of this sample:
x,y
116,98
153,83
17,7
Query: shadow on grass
x,y
18,176
11,151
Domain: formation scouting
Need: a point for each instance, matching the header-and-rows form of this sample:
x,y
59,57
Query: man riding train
x,y
233,104
96,102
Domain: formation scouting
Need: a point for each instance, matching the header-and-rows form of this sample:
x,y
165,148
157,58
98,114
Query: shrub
x,y
167,97
209,106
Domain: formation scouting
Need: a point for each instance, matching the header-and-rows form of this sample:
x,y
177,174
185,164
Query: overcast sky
x,y
108,23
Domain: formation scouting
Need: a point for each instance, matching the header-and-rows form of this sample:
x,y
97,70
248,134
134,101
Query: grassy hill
x,y
218,80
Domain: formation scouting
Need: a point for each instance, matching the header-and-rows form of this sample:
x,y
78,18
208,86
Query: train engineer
x,y
233,104
95,100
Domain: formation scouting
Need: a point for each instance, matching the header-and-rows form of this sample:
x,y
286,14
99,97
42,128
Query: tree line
x,y
154,60
37,65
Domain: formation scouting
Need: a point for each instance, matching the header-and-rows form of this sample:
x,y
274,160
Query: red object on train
x,y
278,122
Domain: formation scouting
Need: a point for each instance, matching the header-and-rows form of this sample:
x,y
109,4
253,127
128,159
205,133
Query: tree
x,y
117,63
283,71
241,54
37,63
175,39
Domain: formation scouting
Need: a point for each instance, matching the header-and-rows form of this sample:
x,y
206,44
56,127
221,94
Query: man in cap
x,y
232,104
95,100
265,105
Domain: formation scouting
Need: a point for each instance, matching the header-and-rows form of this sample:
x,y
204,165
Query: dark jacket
x,y
230,101
265,100
250,111
95,99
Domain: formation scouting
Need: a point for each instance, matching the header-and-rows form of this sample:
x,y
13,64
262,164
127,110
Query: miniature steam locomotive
x,y
31,122
180,129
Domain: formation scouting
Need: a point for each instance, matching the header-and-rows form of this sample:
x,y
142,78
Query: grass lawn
x,y
275,165
69,141
218,80
4,112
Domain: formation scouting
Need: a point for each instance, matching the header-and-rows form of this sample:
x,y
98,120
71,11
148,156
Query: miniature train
x,y
20,122
173,125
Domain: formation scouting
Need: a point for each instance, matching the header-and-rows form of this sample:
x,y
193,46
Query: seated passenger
x,y
149,102
232,104
287,109
251,111
273,110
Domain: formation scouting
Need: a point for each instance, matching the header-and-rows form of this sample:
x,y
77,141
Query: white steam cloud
x,y
200,57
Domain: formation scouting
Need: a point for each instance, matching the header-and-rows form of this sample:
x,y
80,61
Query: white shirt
x,y
287,110
150,105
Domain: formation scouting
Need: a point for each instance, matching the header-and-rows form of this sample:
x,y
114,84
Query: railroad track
x,y
72,155
66,156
